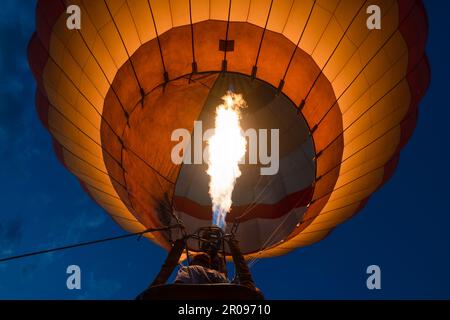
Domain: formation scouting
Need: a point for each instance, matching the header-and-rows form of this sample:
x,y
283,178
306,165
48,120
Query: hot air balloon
x,y
343,97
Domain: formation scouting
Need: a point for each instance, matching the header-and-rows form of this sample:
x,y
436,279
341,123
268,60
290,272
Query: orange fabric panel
x,y
148,65
126,86
177,51
145,163
206,42
246,41
299,79
274,57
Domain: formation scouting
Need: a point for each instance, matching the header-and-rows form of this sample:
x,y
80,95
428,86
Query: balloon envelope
x,y
344,99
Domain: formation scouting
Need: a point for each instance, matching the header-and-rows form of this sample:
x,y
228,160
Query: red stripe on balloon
x,y
260,210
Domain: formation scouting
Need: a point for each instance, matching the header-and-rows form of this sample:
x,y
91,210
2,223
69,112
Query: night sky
x,y
404,228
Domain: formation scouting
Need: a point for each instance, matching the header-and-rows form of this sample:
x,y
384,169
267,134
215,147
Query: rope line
x,y
374,104
334,50
366,65
157,39
224,66
262,37
123,44
300,39
87,243
194,62
352,203
98,144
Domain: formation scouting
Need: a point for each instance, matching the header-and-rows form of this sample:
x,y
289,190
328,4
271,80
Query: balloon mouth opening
x,y
268,207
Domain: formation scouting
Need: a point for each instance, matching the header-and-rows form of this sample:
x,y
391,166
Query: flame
x,y
226,149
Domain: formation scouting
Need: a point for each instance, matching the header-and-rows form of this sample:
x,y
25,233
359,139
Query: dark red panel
x,y
42,106
264,211
58,148
47,13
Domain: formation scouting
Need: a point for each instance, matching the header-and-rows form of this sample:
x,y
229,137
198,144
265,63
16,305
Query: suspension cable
x,y
300,39
334,50
87,243
261,41
366,65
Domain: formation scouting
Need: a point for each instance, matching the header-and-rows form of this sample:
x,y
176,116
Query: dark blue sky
x,y
404,228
